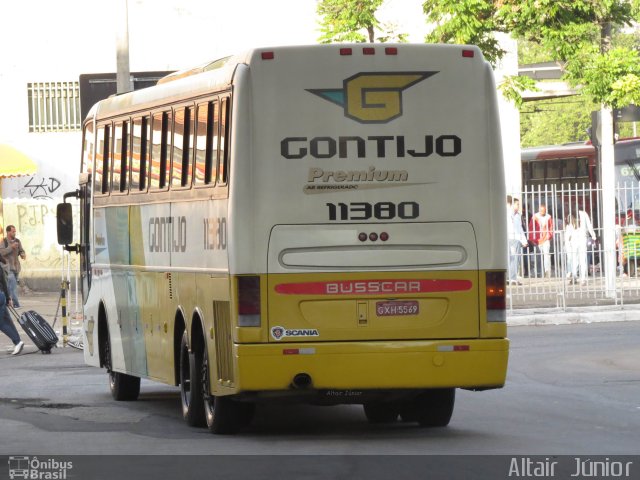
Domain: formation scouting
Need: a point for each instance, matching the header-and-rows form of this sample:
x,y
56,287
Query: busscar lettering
x,y
342,288
168,234
380,146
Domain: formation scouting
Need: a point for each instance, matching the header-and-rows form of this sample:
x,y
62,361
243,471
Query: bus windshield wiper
x,y
636,173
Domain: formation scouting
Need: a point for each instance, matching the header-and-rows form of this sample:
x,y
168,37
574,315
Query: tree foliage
x,y
355,21
569,31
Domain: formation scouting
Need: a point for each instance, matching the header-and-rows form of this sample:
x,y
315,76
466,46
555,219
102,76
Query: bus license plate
x,y
396,308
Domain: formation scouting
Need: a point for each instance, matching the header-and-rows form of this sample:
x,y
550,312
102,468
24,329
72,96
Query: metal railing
x,y
561,285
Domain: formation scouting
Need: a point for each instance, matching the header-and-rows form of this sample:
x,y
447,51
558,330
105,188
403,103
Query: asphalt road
x,y
571,390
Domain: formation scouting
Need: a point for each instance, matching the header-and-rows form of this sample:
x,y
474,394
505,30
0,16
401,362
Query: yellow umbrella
x,y
14,163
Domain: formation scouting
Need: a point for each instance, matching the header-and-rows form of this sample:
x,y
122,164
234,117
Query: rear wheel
x,y
380,412
123,387
223,414
191,384
432,408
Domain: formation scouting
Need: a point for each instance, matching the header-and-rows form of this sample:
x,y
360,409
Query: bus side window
x,y
223,162
165,157
119,157
87,149
140,140
182,147
101,177
204,143
570,171
160,138
583,169
553,172
537,173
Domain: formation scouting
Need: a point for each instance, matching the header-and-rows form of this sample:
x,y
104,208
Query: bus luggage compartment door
x,y
327,284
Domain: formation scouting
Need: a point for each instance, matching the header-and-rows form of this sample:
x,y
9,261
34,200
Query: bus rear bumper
x,y
472,364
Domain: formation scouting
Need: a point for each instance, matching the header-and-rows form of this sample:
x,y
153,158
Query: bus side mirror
x,y
64,213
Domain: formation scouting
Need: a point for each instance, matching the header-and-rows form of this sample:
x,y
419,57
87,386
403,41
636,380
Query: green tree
x,y
354,21
573,32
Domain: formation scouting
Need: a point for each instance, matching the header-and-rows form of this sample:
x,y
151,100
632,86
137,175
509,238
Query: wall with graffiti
x,y
29,203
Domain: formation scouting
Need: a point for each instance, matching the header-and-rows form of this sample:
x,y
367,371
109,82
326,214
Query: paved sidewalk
x,y
46,303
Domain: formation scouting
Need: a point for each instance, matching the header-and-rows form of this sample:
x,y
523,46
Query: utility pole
x,y
607,169
123,74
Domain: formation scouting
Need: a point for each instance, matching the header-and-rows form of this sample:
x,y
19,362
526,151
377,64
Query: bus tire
x,y
123,387
432,408
380,412
191,384
223,414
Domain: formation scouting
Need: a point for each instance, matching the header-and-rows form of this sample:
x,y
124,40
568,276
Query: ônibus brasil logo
x,y
372,97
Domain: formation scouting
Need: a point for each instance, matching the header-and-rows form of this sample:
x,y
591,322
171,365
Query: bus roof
x,y
218,74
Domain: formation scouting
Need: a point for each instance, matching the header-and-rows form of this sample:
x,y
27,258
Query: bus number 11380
x,y
380,211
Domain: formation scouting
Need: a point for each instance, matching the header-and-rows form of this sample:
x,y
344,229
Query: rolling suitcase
x,y
38,329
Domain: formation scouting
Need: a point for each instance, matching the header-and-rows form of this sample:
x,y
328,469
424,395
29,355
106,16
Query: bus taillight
x,y
496,296
249,301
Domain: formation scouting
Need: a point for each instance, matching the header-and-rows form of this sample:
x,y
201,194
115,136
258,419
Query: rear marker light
x,y
346,51
362,237
299,351
268,55
373,236
391,51
249,301
496,296
468,53
368,51
454,348
384,236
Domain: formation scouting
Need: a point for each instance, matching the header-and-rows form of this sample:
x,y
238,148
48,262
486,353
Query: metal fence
x,y
558,287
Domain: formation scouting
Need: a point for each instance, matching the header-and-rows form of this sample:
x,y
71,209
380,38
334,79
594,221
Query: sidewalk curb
x,y
558,316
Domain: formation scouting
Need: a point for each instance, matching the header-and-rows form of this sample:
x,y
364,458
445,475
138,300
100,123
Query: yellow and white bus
x,y
324,224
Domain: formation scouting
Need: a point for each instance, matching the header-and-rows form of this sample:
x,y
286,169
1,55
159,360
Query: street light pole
x,y
607,169
123,75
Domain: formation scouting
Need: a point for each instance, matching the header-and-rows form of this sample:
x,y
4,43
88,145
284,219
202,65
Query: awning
x,y
14,163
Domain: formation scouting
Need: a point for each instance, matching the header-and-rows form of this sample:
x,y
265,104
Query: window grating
x,y
54,106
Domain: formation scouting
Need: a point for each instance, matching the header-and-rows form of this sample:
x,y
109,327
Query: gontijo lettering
x,y
357,147
168,234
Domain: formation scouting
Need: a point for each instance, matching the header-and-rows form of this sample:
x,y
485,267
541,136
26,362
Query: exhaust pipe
x,y
301,381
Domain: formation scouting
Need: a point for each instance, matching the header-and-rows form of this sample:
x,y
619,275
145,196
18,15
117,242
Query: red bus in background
x,y
576,164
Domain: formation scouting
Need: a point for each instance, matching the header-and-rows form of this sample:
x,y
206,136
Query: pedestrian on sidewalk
x,y
516,238
6,324
11,251
541,234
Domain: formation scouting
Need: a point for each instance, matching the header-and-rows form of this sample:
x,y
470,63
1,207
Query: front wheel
x,y
123,387
432,408
223,414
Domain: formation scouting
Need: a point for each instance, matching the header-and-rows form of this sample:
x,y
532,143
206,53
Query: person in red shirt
x,y
540,234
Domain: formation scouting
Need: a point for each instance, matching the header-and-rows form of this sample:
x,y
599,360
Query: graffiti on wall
x,y
40,187
35,221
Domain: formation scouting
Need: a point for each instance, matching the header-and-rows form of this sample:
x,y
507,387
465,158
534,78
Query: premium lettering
x,y
370,175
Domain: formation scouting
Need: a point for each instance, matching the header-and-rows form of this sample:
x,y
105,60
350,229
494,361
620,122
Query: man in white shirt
x,y
516,238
